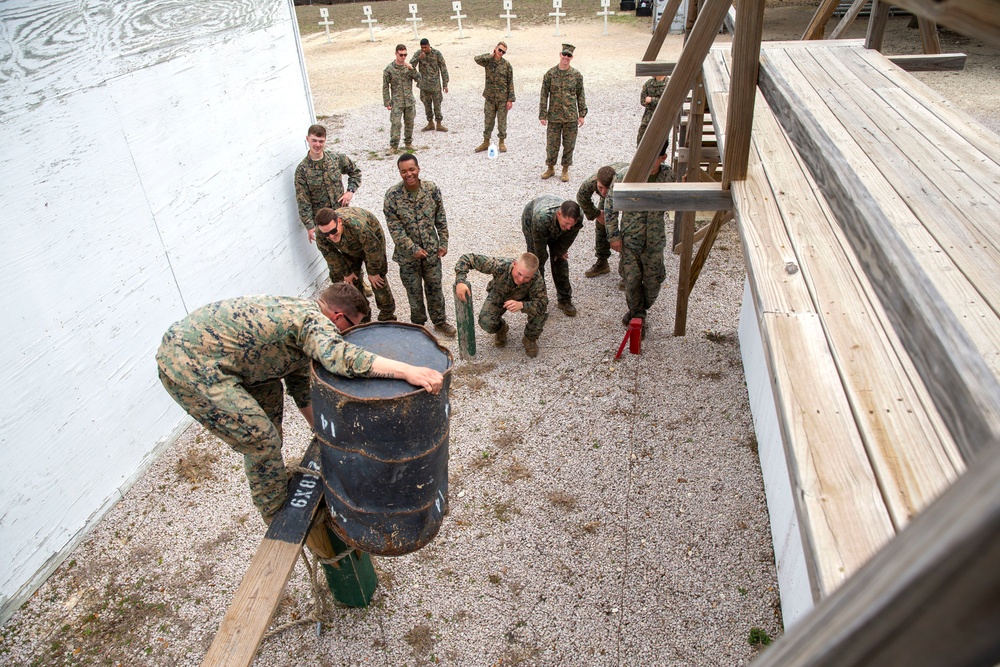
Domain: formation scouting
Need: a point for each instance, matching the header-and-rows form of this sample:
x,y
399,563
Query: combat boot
x,y
621,285
503,146
393,150
483,146
445,329
565,175
600,267
567,307
501,335
428,127
530,346
409,148
441,127
549,172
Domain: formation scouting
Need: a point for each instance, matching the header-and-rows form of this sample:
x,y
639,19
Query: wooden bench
x,y
851,445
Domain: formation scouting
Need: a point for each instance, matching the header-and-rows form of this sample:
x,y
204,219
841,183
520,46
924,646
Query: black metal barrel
x,y
384,444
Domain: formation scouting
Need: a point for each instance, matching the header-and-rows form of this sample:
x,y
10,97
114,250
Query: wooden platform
x,y
864,447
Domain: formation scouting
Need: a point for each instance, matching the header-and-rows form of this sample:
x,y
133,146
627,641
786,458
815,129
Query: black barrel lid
x,y
402,342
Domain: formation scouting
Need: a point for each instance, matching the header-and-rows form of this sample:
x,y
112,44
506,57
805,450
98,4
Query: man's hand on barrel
x,y
428,378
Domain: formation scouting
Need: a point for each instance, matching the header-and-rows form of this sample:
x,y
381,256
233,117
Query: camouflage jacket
x,y
362,239
399,79
257,339
433,71
585,195
415,220
562,99
638,230
499,78
544,229
320,183
502,287
652,88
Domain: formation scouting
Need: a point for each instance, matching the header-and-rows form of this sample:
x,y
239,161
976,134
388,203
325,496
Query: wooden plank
x,y
975,18
684,273
848,19
662,30
819,19
941,62
929,39
671,197
800,44
930,598
876,25
707,153
962,386
654,69
688,65
743,89
257,598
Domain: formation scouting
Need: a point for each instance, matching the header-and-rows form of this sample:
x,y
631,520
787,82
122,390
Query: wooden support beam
x,y
876,25
974,18
684,273
964,390
662,30
708,153
848,19
819,20
710,232
929,39
730,21
940,62
742,89
257,598
688,67
931,597
672,197
654,69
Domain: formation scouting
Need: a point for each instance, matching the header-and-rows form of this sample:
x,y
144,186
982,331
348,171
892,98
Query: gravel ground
x,y
602,512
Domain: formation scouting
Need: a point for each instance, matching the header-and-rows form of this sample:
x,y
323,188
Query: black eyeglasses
x,y
567,55
330,233
502,52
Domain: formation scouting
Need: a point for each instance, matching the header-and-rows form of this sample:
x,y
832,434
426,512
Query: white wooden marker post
x,y
605,4
413,19
324,14
369,20
456,7
508,7
557,5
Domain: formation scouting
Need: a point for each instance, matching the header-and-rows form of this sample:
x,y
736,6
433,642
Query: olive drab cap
x,y
568,48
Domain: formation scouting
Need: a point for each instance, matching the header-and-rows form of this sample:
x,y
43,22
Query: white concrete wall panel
x,y
148,152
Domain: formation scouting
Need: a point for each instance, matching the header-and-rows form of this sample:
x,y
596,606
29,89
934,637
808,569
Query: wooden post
x,y
605,11
414,19
370,21
974,18
324,14
876,24
929,39
689,64
456,6
710,232
742,89
662,30
819,20
508,7
848,20
556,6
695,130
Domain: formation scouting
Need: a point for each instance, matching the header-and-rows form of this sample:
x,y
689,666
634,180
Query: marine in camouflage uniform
x,y
653,91
319,183
433,77
397,97
503,288
361,246
561,108
225,362
585,198
546,238
414,214
642,236
498,94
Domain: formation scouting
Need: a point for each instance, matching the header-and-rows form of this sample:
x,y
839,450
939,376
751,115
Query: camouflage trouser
x,y
560,266
643,273
602,249
248,419
406,115
491,315
556,133
495,111
419,277
642,131
432,104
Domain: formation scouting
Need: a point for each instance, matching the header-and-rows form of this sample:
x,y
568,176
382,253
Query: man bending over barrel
x,y
224,364
517,287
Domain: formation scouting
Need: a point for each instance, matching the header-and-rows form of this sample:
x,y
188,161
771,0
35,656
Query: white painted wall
x,y
146,169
